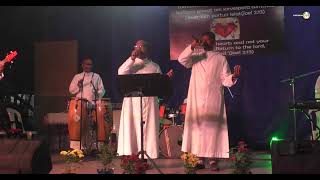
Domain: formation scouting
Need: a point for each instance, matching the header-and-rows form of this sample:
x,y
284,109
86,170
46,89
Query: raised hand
x,y
135,53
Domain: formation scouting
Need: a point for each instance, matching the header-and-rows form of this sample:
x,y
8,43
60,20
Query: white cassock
x,y
129,132
89,80
88,89
317,96
205,129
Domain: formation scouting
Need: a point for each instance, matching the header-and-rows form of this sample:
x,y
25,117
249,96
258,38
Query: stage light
x,y
274,138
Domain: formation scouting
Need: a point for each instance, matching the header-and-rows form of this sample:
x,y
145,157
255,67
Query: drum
x,y
171,141
76,108
105,120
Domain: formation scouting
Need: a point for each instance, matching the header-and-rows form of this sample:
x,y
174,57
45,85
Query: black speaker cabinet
x,y
290,157
18,156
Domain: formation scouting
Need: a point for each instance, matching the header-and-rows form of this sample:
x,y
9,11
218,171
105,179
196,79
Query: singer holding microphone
x,y
205,129
89,86
129,131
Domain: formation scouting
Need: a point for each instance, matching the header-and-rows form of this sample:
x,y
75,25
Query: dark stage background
x,y
259,108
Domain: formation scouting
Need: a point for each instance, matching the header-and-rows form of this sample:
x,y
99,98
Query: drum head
x,y
171,141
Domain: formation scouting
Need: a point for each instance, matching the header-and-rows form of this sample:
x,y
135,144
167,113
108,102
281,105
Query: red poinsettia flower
x,y
233,158
133,165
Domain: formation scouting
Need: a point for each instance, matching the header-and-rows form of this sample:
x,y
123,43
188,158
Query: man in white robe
x,y
205,129
315,132
87,85
129,140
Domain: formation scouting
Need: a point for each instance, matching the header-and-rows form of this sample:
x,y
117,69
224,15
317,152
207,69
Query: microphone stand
x,y
96,107
81,96
292,84
230,92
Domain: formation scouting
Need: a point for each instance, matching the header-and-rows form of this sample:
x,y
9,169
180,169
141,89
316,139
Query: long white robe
x,y
129,131
317,96
88,93
205,129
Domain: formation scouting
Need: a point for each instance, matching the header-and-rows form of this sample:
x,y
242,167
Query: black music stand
x,y
144,85
291,82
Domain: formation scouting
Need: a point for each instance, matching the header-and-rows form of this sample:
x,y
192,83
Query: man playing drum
x,y
87,87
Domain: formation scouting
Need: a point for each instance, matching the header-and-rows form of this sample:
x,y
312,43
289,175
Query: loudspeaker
x,y
18,156
290,157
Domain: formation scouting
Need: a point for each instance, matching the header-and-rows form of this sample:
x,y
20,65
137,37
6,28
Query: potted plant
x,y
106,155
133,165
242,158
71,157
190,162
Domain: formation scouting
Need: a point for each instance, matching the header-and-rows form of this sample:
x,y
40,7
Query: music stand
x,y
291,82
144,85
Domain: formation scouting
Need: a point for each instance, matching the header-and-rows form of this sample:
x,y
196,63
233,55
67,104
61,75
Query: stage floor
x,y
261,165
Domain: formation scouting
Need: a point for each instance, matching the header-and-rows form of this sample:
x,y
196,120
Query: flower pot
x,y
105,171
190,171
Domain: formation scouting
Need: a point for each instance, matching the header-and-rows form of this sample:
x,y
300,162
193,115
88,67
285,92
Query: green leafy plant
x,y
107,154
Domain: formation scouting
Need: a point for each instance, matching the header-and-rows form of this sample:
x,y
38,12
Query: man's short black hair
x,y
86,58
210,34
